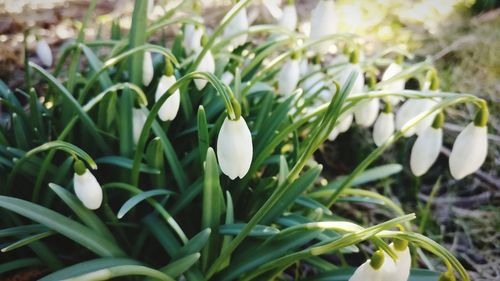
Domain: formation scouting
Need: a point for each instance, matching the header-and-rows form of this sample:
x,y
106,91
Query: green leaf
x,y
22,230
72,102
345,273
292,193
103,269
63,225
257,231
137,38
17,264
195,244
178,267
26,241
212,207
203,137
132,202
126,163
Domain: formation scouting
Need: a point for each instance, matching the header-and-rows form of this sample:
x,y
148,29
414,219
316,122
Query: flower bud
x,y
359,83
138,120
288,17
44,53
378,268
323,23
469,151
402,264
227,78
410,109
87,189
425,150
398,85
192,38
234,148
169,109
366,112
147,69
383,128
207,64
344,122
238,24
288,77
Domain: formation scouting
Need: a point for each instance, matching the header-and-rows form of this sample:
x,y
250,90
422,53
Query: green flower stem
x,y
351,238
225,93
431,246
113,61
218,31
451,100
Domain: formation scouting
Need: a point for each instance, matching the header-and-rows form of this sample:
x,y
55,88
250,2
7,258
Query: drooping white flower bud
x,y
410,109
366,112
234,148
207,64
323,23
288,17
345,121
192,38
147,69
238,24
398,85
227,77
169,109
333,134
469,151
426,148
44,53
138,120
87,189
359,83
288,77
315,81
383,128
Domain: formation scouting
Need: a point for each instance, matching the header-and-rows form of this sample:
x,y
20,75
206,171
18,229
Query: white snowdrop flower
x,y
323,23
288,17
238,24
227,77
288,77
147,69
44,53
402,266
366,112
169,109
234,148
358,83
151,6
304,66
87,189
398,85
383,128
192,38
410,109
378,268
315,81
333,134
138,120
207,64
469,151
426,150
345,121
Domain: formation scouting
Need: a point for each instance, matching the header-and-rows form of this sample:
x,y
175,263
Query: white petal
x,y
234,148
398,270
207,64
366,112
169,109
314,83
227,78
192,38
358,83
323,23
147,69
344,122
398,85
383,128
289,17
88,190
427,104
425,151
138,120
365,273
288,77
238,24
406,112
44,53
469,151
273,8
333,134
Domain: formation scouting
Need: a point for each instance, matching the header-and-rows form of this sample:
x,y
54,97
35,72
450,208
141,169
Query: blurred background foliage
x,y
461,37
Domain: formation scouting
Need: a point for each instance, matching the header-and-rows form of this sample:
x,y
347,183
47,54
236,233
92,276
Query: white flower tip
x,y
44,53
234,148
469,151
88,190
